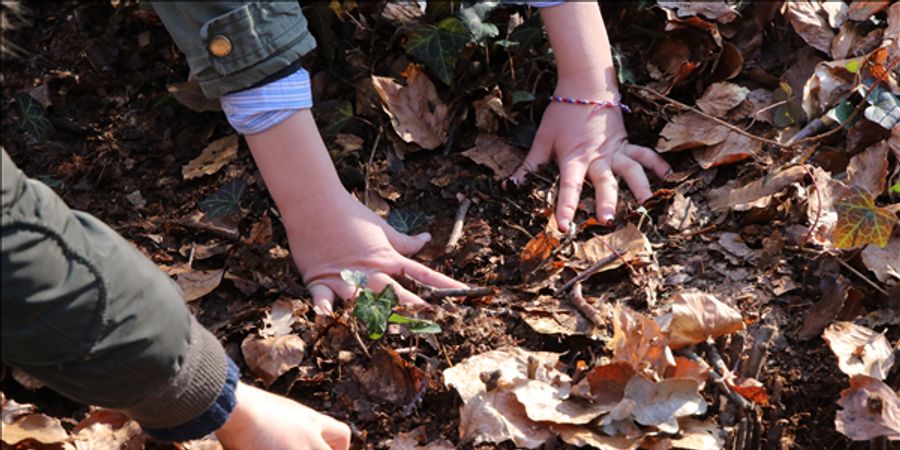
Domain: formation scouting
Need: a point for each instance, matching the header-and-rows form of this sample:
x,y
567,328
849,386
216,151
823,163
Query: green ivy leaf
x,y
883,109
34,118
623,73
475,16
406,221
522,97
354,278
342,115
896,188
439,46
415,325
529,34
374,310
226,200
841,113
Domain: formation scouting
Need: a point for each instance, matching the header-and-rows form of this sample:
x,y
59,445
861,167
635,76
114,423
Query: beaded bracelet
x,y
598,104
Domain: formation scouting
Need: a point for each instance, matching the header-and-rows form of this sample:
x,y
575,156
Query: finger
x,y
336,434
405,244
380,280
426,276
606,190
540,152
323,298
318,443
649,159
633,174
571,177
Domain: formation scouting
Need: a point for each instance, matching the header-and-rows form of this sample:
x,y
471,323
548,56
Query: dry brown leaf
x,y
755,106
348,143
662,403
871,409
497,416
488,110
883,262
605,384
823,312
732,243
404,12
810,21
512,362
414,439
638,340
417,113
26,380
851,41
390,379
720,12
207,443
861,10
822,197
689,368
869,169
694,435
752,390
722,97
197,283
271,357
105,429
690,130
585,437
212,158
628,241
547,403
830,80
682,213
860,350
20,423
734,148
892,32
551,315
697,316
493,152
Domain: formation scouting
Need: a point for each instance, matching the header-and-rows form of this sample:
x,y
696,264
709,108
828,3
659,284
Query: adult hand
x,y
264,420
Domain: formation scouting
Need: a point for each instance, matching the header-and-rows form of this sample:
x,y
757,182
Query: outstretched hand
x,y
592,143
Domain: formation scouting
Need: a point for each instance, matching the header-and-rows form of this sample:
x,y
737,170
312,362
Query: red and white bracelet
x,y
598,104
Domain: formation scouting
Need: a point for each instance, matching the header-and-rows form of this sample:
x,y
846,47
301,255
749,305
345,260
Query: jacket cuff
x,y
255,110
204,386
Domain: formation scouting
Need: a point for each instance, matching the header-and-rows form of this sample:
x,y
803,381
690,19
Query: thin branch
x,y
818,210
458,222
719,379
707,116
846,266
433,293
762,338
587,272
369,166
580,303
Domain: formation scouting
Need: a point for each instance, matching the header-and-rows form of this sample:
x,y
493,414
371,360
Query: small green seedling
x,y
376,310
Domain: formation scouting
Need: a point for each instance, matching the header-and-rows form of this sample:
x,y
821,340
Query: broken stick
x,y
588,272
456,232
580,303
434,293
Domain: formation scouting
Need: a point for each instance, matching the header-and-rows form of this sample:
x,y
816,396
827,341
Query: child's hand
x,y
353,237
595,144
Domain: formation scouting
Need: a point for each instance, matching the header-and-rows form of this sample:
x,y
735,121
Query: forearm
x,y
581,46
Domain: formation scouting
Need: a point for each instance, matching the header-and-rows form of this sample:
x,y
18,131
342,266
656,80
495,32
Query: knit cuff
x,y
198,386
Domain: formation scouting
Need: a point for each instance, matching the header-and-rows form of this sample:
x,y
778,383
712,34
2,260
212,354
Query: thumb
x,y
408,245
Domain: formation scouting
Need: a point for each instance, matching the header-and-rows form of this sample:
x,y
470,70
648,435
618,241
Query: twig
x,y
359,340
369,166
756,114
718,378
587,272
762,338
191,256
818,209
458,221
707,116
433,293
719,368
843,263
580,303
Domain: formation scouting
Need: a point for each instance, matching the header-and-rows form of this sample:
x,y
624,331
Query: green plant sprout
x,y
376,310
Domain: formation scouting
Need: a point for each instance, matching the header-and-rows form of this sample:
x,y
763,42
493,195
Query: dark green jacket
x,y
82,309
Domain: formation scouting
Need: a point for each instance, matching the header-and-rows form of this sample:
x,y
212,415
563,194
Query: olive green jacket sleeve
x,y
232,46
86,313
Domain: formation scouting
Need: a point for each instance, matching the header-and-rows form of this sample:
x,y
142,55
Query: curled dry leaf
x,y
275,350
851,41
694,435
197,283
892,32
212,158
682,213
585,437
391,379
628,241
884,262
497,416
871,410
21,423
810,21
605,384
860,350
689,368
830,80
662,403
869,169
417,113
755,106
488,110
512,362
862,10
734,148
823,312
551,315
638,340
722,97
720,12
821,212
414,441
696,316
493,152
690,130
108,429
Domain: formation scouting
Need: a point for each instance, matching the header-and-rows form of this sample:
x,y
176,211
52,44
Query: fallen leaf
x,y
548,403
884,262
720,12
697,316
585,437
689,368
630,243
722,97
756,106
734,148
694,435
206,443
551,315
851,41
388,378
682,213
197,283
830,80
21,423
869,169
662,403
488,110
871,410
404,12
536,251
823,312
810,21
413,441
862,10
860,350
260,232
492,152
511,362
605,384
416,113
497,416
732,243
821,212
892,32
860,222
690,130
752,390
104,429
638,340
275,350
212,158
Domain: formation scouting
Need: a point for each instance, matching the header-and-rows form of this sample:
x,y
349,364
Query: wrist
x,y
592,84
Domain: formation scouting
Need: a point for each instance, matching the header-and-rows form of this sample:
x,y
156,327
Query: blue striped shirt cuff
x,y
258,109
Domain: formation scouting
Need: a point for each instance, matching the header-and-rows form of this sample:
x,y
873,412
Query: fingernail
x,y
607,219
564,225
426,236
